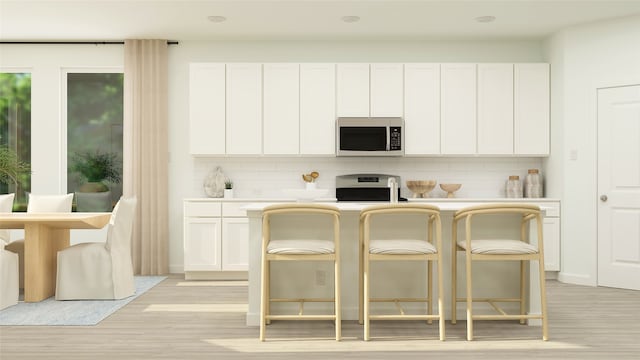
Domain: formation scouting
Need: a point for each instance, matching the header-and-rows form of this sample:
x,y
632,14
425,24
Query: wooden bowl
x,y
450,189
421,188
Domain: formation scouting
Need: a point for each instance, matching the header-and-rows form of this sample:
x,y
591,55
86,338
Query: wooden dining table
x,y
44,235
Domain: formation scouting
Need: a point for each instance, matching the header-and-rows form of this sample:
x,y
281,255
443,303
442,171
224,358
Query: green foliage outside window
x,y
15,134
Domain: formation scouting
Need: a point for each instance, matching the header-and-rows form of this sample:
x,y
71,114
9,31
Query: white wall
x,y
265,177
584,58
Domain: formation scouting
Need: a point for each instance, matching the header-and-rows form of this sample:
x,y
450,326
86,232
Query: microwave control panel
x,y
395,142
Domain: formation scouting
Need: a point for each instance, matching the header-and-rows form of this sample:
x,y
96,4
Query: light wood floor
x,y
206,320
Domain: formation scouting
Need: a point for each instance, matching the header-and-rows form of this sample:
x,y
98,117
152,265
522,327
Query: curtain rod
x,y
73,42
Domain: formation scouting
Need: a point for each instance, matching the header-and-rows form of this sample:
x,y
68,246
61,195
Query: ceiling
x,y
100,20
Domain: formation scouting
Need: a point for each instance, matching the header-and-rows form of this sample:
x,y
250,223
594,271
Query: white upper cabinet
x,y
386,90
422,109
244,109
458,109
531,109
317,109
206,108
495,109
352,90
281,108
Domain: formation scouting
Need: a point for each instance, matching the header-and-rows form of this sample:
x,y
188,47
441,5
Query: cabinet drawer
x,y
234,209
202,209
550,209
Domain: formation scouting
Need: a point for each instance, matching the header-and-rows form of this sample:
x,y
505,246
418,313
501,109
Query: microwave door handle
x,y
388,136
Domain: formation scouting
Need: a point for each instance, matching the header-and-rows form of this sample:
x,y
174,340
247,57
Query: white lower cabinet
x,y
216,241
551,234
202,244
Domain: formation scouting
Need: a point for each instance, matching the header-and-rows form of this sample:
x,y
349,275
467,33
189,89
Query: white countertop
x,y
443,204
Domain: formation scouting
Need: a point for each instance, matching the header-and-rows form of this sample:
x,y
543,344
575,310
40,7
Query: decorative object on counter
x,y
533,184
228,189
514,187
450,189
310,180
214,183
421,188
305,195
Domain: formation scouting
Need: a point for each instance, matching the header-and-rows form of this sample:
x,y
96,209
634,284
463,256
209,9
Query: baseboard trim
x,y
576,279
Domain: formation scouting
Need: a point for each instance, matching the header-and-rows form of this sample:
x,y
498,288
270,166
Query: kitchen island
x,y
315,279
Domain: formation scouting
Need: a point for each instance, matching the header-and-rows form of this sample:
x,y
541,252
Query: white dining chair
x,y
40,204
9,287
100,270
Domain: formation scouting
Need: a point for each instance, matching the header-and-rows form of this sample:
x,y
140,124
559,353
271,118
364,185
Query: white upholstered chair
x,y
9,288
100,270
426,248
312,249
498,249
40,204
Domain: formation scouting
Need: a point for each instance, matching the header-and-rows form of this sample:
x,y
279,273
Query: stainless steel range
x,y
367,187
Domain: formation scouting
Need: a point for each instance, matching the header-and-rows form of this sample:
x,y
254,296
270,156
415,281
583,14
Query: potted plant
x,y
228,189
96,167
11,167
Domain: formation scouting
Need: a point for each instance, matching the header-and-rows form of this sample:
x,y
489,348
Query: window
x,y
15,130
94,139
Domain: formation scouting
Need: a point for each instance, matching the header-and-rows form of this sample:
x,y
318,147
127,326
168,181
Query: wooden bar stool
x,y
427,249
299,250
498,250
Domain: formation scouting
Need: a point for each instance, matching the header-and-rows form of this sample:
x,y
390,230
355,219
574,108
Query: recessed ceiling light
x,y
485,19
351,18
217,18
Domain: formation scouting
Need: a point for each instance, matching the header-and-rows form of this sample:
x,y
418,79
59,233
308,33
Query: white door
x,y
619,187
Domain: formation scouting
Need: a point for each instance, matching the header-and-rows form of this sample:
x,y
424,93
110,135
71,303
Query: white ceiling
x,y
77,20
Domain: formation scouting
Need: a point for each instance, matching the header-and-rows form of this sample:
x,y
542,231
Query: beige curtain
x,y
145,151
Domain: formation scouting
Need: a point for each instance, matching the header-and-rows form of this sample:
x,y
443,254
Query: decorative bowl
x,y
450,189
306,195
421,188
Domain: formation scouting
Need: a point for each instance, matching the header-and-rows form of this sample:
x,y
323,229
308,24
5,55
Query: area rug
x,y
72,312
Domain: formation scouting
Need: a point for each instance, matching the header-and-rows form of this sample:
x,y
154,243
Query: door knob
x,y
603,198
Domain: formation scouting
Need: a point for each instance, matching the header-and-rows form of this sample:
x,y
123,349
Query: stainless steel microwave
x,y
364,136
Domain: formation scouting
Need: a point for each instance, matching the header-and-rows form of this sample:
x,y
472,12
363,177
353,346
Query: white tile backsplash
x,y
266,177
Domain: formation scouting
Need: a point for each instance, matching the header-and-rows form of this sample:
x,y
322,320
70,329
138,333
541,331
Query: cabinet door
x,y
422,109
353,90
495,109
281,108
551,233
206,108
244,109
317,109
202,244
386,90
235,244
458,108
531,109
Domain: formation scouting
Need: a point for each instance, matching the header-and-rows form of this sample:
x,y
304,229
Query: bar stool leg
x,y
338,307
469,302
429,290
523,281
263,297
454,274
